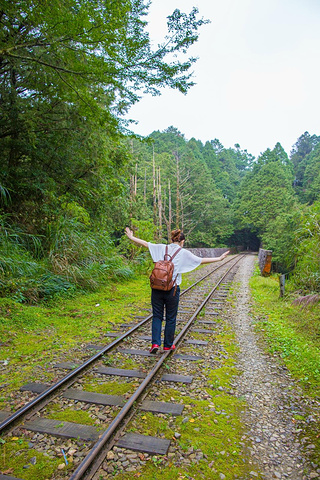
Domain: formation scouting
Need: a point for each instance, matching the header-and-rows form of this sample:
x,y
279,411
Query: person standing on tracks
x,y
184,261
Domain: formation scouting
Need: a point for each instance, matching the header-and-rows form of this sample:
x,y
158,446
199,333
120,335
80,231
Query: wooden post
x,y
282,280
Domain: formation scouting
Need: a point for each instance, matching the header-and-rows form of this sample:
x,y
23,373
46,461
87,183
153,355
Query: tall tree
x,y
68,72
305,144
311,180
266,191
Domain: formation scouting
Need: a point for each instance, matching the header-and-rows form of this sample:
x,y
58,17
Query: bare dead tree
x,y
159,203
177,157
154,188
168,220
182,199
135,181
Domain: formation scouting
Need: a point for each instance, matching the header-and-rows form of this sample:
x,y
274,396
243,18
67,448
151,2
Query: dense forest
x,y
73,176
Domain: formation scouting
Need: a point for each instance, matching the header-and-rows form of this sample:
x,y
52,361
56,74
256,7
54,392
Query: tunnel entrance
x,y
244,240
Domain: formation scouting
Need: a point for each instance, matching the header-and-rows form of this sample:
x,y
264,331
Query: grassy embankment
x,y
35,337
290,330
293,333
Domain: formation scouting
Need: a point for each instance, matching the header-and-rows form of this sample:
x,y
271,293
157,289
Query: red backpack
x,y
162,273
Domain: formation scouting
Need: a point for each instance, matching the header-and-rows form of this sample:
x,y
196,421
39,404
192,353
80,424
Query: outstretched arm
x,y
136,240
214,259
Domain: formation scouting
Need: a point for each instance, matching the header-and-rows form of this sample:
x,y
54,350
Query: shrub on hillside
x,y
77,258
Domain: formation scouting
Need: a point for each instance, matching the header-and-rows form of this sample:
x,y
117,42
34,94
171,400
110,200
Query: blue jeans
x,y
159,299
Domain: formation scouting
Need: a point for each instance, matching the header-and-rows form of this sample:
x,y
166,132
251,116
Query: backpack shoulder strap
x,y
175,253
166,255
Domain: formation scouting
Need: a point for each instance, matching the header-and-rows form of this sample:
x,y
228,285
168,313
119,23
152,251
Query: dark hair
x,y
177,236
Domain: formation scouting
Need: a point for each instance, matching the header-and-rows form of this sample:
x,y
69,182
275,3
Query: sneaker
x,y
169,348
154,348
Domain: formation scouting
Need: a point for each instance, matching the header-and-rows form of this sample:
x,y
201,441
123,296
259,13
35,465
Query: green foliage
x,y
266,191
311,181
279,237
138,255
68,73
184,181
70,179
307,250
301,154
77,258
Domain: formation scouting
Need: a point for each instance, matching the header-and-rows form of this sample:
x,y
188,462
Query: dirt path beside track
x,y
275,443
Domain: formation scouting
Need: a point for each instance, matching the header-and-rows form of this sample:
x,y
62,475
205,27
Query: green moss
x,y
217,435
123,362
16,454
70,415
110,388
202,336
153,425
223,375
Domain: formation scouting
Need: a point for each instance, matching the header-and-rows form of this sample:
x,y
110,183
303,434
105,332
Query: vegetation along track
x,y
89,387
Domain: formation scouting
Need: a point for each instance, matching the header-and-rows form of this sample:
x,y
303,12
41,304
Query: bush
x,y
77,259
279,237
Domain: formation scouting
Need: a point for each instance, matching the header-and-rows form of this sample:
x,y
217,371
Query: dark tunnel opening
x,y
244,239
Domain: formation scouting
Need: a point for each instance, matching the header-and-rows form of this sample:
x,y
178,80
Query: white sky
x,y
258,74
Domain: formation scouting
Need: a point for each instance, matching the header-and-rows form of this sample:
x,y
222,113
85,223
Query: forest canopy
x,y
73,176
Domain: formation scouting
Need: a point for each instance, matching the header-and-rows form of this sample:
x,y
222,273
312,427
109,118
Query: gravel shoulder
x,y
272,398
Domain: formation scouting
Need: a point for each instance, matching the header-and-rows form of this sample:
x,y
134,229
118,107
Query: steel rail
x,y
46,393
87,461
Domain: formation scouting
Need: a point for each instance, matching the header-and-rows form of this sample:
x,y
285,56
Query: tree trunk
x,y
154,191
177,157
13,152
159,205
168,220
135,181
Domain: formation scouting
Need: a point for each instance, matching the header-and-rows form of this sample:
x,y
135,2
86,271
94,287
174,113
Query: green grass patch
x,y
34,336
221,376
16,458
120,387
123,362
70,415
153,425
292,332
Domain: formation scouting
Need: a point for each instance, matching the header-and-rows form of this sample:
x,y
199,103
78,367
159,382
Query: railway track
x,y
136,383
